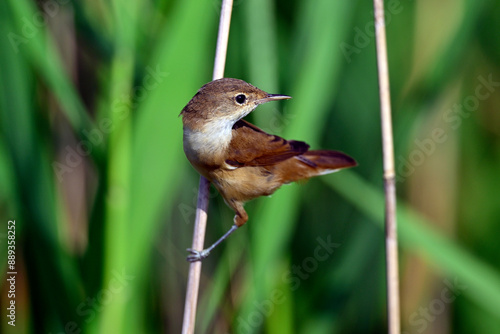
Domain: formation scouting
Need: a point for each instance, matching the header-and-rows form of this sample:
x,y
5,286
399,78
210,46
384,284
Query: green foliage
x,y
92,168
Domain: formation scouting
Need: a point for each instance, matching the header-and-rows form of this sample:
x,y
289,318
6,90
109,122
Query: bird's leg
x,y
240,218
199,255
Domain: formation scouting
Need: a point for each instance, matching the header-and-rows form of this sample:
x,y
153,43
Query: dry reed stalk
x,y
391,238
193,284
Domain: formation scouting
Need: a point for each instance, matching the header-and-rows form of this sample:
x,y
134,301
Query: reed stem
x,y
391,238
193,284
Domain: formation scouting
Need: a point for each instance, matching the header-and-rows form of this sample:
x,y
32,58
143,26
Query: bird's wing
x,y
250,146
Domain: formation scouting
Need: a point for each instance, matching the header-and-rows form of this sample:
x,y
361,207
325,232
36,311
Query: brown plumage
x,y
242,161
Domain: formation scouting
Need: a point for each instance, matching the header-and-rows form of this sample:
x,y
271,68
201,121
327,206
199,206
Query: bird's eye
x,y
240,98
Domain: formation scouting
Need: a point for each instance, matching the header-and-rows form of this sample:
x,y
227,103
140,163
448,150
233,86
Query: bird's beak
x,y
273,97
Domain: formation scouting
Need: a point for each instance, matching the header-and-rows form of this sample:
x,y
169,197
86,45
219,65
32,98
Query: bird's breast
x,y
206,147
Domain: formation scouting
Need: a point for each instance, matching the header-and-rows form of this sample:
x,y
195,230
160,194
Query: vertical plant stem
x,y
222,38
202,204
195,267
114,317
391,240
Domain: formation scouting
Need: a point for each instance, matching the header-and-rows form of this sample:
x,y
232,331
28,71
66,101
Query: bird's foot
x,y
197,255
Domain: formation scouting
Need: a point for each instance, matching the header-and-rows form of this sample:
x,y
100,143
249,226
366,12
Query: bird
x,y
242,161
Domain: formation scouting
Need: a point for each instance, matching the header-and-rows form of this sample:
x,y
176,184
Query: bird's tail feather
x,y
319,162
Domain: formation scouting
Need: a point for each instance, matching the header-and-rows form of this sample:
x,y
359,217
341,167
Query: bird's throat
x,y
209,141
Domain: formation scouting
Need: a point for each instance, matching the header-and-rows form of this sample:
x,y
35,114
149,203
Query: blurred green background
x,y
93,172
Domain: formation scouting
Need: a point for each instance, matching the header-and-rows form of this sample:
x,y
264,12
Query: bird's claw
x,y
197,255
